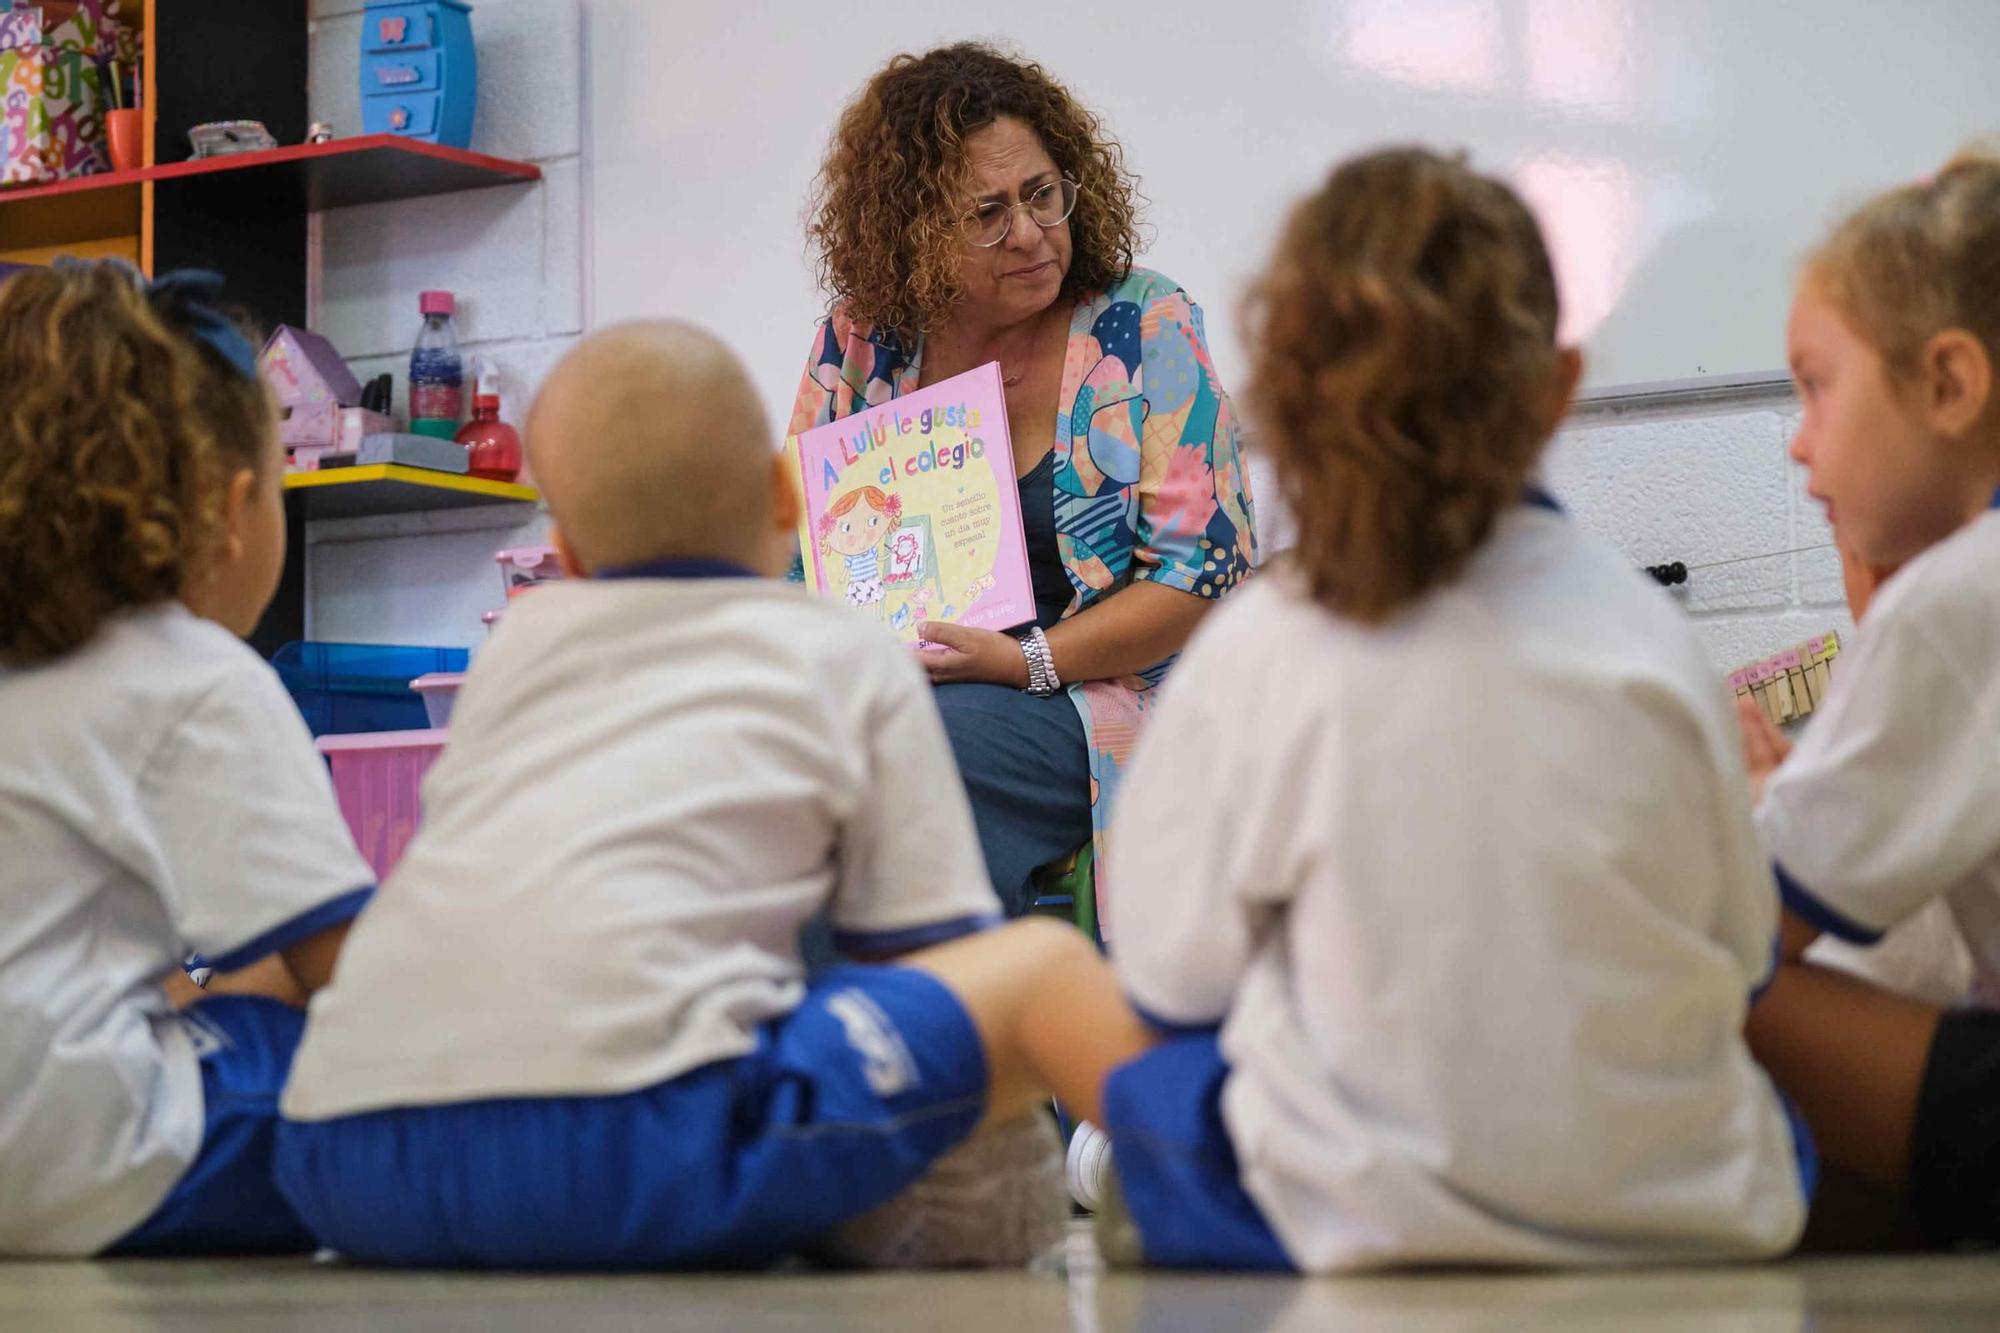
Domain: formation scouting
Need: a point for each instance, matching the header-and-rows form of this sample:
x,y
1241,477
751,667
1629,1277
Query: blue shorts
x,y
1178,1172
845,1101
1176,1167
226,1202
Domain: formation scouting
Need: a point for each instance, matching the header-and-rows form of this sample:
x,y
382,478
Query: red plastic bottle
x,y
492,446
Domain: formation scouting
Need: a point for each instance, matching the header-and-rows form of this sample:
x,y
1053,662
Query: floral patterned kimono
x,y
1150,482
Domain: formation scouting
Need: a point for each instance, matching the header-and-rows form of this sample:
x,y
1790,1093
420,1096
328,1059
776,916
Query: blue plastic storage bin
x,y
419,70
343,688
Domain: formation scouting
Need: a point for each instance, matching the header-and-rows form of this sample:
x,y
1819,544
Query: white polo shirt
x,y
1476,900
651,785
159,794
1891,799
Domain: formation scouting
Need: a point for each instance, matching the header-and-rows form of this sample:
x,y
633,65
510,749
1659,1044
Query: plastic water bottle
x,y
437,373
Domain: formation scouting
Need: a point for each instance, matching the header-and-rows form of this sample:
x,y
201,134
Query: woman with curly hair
x,y
1459,975
971,210
159,794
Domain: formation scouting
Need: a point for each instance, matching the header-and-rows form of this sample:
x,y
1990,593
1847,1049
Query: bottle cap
x,y
436,303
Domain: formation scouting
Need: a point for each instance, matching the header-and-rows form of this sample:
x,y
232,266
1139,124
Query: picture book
x,y
912,511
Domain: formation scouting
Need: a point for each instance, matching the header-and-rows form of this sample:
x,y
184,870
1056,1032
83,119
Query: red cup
x,y
125,130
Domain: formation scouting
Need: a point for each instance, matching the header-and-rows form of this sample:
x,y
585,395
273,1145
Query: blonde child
x,y
575,1030
1448,978
1887,805
158,790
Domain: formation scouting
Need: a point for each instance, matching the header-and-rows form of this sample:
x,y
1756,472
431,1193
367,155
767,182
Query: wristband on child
x,y
1042,678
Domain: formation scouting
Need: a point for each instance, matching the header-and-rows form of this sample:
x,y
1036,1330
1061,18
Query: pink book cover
x,y
912,511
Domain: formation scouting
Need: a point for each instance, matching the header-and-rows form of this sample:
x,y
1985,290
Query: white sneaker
x,y
1086,1165
994,1201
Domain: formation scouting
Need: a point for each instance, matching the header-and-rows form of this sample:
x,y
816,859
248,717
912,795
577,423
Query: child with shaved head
x,y
574,1030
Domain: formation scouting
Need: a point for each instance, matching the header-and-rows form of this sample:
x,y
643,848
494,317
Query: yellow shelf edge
x,y
411,476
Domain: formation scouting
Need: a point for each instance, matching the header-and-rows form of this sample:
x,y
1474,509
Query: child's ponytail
x,y
1404,346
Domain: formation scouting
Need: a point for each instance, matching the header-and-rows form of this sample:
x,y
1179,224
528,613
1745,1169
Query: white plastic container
x,y
439,691
522,567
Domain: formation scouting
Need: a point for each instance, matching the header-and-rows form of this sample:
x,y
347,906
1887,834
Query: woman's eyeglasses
x,y
1050,206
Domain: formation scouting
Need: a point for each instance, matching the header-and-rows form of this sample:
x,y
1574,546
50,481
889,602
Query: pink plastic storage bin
x,y
377,776
523,567
439,691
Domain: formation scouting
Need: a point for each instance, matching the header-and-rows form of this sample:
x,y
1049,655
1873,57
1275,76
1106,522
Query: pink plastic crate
x,y
377,776
439,691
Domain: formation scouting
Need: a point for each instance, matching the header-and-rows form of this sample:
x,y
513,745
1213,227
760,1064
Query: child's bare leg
x,y
268,976
180,988
1051,1020
1853,1059
1049,1013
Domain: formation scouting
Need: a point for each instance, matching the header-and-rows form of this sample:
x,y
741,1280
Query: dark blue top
x,y
1053,592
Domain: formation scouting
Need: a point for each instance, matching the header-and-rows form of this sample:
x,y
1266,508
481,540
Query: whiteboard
x,y
1680,153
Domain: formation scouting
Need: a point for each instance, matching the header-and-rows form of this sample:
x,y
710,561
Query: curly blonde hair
x,y
1918,260
1403,346
118,436
885,212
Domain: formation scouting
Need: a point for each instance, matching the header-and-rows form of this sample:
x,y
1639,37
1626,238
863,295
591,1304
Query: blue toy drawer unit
x,y
419,72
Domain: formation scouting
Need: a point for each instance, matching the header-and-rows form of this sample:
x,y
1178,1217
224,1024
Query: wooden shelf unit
x,y
372,169
245,216
389,488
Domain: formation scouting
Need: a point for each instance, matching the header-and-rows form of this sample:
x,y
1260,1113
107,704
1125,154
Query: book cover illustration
x,y
912,511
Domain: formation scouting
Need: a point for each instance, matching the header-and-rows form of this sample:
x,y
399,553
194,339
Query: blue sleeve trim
x,y
1801,903
1166,1027
678,568
878,943
333,912
1771,973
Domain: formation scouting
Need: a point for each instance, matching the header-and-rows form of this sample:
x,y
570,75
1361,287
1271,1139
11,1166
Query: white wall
x,y
1680,153
1694,483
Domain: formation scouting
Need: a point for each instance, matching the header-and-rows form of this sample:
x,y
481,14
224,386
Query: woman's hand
x,y
1764,746
957,655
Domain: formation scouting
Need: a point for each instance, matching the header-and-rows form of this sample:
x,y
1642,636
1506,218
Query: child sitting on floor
x,y
159,793
1888,804
574,1030
1459,971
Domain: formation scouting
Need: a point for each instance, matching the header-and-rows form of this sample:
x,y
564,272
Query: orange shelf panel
x,y
368,169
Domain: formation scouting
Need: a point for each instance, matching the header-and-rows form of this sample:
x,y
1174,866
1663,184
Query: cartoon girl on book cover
x,y
857,528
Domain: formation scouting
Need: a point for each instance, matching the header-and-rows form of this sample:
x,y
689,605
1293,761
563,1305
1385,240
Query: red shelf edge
x,y
112,180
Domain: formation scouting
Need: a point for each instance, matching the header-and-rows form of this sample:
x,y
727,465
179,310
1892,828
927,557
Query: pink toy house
x,y
313,385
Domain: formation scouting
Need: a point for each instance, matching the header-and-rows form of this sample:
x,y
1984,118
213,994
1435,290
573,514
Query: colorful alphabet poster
x,y
912,511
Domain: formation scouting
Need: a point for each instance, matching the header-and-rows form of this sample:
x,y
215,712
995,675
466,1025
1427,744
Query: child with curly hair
x,y
1459,973
159,793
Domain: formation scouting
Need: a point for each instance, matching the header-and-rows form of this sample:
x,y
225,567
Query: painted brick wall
x,y
1704,484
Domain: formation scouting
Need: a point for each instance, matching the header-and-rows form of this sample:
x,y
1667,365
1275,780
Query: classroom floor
x,y
1824,1295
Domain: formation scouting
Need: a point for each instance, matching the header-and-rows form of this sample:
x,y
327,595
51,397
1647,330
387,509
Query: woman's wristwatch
x,y
1042,678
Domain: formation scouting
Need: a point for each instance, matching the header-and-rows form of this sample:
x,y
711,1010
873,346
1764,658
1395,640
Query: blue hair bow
x,y
185,296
